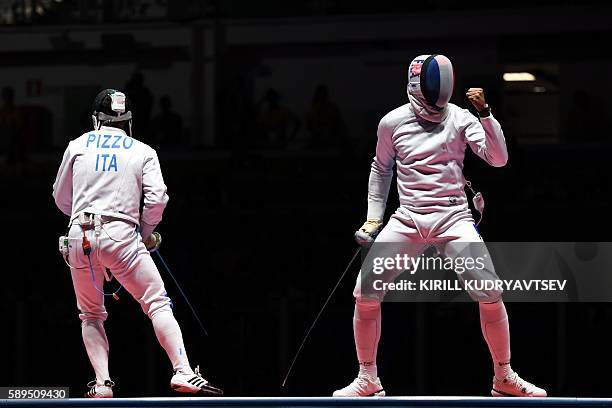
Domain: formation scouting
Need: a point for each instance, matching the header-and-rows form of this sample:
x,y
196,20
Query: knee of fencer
x,y
491,304
162,304
93,316
488,297
92,322
367,303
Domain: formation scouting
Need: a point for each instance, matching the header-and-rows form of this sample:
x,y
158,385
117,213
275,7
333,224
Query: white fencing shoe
x,y
100,390
193,383
362,386
514,386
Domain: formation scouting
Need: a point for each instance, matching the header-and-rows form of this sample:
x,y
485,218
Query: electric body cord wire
x,y
86,246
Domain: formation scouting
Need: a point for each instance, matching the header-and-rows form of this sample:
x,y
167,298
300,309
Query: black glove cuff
x,y
485,112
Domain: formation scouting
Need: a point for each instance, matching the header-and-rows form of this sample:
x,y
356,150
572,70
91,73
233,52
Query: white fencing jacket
x,y
429,158
107,172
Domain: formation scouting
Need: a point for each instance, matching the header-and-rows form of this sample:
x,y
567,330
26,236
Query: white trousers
x,y
455,234
118,246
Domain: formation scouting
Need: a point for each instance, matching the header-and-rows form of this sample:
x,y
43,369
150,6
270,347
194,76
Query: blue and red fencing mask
x,y
431,80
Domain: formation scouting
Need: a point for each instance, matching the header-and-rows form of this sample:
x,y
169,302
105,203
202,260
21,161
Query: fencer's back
x,y
108,173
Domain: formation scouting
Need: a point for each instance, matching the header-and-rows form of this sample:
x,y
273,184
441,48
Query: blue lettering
x,y
90,138
116,142
98,143
125,144
107,165
113,163
104,156
105,144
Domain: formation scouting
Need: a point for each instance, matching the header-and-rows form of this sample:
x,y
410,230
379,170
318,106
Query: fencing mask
x,y
111,106
430,86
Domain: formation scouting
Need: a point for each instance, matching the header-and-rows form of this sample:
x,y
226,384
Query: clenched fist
x,y
477,98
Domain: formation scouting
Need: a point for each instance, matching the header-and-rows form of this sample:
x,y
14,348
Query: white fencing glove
x,y
153,242
368,231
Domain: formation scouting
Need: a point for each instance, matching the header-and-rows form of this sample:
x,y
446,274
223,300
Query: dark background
x,y
260,221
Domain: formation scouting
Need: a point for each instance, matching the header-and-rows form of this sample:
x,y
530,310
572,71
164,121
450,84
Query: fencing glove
x,y
368,231
153,242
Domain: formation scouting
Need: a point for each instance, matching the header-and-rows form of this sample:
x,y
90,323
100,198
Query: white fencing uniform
x,y
429,158
433,204
426,139
107,173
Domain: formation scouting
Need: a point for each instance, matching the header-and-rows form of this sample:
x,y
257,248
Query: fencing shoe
x,y
97,390
514,386
362,386
193,383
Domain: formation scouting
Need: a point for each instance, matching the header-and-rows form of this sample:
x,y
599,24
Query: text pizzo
x,y
101,141
108,161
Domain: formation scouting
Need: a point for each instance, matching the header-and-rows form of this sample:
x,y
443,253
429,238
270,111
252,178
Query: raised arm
x,y
485,137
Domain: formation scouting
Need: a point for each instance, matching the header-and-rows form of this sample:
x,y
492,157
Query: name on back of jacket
x,y
108,161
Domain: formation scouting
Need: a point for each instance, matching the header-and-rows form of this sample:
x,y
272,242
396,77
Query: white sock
x,y
496,331
170,337
96,344
366,328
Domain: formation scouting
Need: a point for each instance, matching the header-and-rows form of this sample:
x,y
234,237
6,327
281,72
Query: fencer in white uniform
x,y
103,177
426,140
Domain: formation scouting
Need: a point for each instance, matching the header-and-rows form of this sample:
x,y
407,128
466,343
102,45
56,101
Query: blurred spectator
x,y
277,124
142,105
11,127
324,121
167,125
